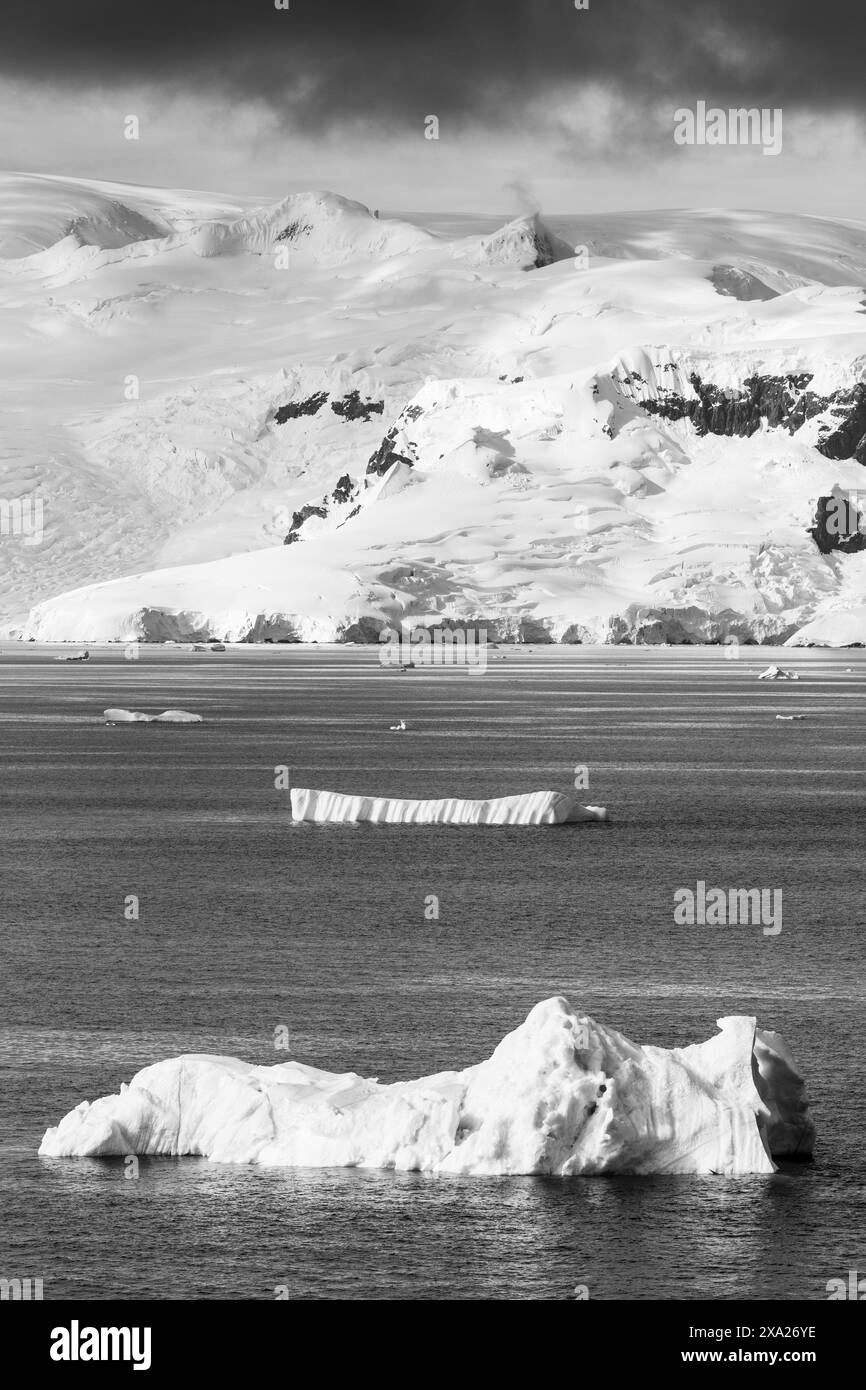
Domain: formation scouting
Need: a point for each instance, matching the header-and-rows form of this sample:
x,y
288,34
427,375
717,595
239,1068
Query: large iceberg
x,y
560,1095
526,808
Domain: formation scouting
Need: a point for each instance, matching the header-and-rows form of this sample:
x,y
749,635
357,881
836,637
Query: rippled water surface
x,y
247,923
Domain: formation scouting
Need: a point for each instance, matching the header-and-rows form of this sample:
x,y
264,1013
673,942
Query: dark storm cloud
x,y
386,61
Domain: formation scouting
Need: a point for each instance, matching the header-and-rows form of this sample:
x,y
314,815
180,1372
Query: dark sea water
x,y
247,923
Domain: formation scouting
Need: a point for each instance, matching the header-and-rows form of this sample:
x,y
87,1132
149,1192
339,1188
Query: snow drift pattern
x,y
526,808
560,1095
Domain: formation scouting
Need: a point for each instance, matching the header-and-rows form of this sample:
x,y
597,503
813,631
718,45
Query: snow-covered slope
x,y
561,1094
621,436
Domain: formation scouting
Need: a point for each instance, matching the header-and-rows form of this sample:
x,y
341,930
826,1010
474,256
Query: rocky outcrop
x,y
298,519
352,407
780,402
295,409
848,440
838,525
345,491
293,231
388,454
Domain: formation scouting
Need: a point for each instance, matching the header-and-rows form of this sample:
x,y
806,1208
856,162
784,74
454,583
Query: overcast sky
x,y
540,105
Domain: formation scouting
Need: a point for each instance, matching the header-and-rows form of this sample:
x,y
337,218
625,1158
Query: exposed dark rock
x,y
351,407
298,519
294,231
782,402
838,525
386,455
848,440
295,409
344,489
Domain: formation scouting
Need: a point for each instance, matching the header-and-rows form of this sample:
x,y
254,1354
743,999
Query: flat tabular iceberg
x,y
560,1095
134,716
526,808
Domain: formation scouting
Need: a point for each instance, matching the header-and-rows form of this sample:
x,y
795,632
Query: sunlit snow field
x,y
248,925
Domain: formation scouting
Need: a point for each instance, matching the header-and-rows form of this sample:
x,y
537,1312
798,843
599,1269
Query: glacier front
x,y
560,1095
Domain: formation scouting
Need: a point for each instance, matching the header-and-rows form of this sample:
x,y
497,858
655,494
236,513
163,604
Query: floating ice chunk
x,y
134,716
526,808
778,673
561,1094
398,728
789,717
76,656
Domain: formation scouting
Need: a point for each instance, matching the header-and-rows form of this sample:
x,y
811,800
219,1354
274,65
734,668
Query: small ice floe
x,y
217,646
134,716
778,673
398,728
789,717
76,656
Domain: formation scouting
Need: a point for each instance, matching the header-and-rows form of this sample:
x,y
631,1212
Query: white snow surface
x,y
561,1095
149,336
525,808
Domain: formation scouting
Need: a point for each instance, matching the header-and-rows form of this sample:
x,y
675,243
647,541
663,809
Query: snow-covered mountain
x,y
304,420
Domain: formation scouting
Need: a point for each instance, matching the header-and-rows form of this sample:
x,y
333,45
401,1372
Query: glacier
x,y
628,443
560,1095
524,808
